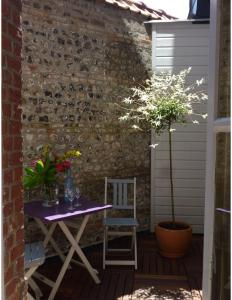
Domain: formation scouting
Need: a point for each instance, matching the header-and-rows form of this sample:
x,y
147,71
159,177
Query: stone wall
x,y
78,59
12,200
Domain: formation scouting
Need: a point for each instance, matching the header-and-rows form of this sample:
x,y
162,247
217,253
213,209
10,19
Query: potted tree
x,y
165,100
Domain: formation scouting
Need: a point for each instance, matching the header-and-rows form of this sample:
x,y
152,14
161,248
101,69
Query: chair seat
x,y
120,222
34,254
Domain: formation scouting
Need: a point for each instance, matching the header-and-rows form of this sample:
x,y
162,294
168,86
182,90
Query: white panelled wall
x,y
178,45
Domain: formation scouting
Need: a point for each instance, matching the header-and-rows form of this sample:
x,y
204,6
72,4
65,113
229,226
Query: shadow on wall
x,y
73,72
79,57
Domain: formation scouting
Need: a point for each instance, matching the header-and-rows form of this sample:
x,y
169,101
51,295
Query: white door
x,y
216,264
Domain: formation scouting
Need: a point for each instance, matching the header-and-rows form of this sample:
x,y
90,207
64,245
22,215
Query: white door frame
x,y
214,126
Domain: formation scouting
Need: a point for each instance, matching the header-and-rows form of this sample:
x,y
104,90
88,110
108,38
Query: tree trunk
x,y
171,177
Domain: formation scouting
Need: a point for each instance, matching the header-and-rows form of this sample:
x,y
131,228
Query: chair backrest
x,y
120,194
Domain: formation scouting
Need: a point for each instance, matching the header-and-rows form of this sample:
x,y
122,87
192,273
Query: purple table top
x,y
60,212
224,210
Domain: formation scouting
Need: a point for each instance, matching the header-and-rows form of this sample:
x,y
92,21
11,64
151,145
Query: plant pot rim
x,y
186,225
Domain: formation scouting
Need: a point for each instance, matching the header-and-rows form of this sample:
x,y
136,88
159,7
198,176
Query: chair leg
x,y
104,248
132,240
106,239
135,248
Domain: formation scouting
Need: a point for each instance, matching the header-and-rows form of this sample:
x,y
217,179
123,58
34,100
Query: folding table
x,y
59,214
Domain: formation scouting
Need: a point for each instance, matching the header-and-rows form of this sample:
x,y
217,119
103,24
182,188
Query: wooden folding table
x,y
60,215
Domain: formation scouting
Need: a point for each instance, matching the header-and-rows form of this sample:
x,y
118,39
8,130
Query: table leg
x,y
69,256
48,237
78,250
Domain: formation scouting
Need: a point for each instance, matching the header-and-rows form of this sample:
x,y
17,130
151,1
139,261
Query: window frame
x,y
215,125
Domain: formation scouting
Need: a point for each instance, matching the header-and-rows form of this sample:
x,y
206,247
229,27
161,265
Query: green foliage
x,y
163,100
44,174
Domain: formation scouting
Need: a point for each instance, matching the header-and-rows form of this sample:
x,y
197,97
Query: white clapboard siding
x,y
189,127
180,202
182,41
178,164
178,146
181,52
182,155
181,32
177,46
185,136
191,219
183,60
180,210
180,174
178,183
180,191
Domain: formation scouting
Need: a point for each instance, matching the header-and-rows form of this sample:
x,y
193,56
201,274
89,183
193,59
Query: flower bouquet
x,y
44,171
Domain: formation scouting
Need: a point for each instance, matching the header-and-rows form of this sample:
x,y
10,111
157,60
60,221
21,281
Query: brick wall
x,y
78,59
13,219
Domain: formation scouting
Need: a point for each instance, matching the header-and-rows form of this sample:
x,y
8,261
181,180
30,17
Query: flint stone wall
x,y
78,58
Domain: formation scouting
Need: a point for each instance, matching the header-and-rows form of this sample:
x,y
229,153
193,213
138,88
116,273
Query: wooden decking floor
x,y
157,278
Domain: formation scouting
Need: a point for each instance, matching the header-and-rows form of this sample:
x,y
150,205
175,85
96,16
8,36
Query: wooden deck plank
x,y
87,286
146,263
152,263
120,286
159,262
157,277
113,286
104,285
129,283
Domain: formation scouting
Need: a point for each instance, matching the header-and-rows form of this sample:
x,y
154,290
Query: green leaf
x,y
47,163
30,182
29,171
51,171
40,166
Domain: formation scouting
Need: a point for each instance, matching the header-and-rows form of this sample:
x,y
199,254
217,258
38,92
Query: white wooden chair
x,y
33,258
123,198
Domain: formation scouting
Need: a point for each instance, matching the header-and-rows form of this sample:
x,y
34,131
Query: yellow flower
x,y
69,154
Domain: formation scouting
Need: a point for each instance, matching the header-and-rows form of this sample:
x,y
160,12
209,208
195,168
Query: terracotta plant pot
x,y
173,242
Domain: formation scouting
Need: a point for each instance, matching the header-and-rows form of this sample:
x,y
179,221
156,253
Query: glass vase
x,y
68,185
50,196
